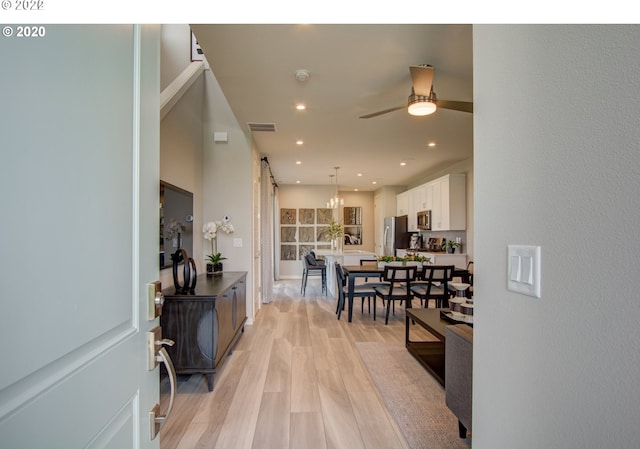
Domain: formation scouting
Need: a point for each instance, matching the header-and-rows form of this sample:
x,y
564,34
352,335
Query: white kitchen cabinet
x,y
423,198
412,219
445,197
448,203
402,203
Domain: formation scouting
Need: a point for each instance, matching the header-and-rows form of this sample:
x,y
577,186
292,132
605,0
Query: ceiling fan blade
x,y
422,77
375,114
463,106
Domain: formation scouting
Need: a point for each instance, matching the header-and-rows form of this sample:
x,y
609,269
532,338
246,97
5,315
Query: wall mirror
x,y
352,226
353,216
176,222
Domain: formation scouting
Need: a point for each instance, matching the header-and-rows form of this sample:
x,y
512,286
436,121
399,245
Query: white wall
x,y
175,52
557,164
228,184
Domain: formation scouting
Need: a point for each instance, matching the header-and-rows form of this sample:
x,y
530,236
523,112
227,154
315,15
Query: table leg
x,y
350,294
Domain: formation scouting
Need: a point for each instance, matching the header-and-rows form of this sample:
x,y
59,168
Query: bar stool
x,y
313,267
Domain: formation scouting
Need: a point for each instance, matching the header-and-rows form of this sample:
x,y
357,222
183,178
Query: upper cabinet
x,y
402,204
449,205
445,197
412,222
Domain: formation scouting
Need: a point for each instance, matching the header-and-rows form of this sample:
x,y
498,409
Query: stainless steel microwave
x,y
424,220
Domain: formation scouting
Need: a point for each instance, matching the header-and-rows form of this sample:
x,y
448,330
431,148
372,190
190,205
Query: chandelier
x,y
335,201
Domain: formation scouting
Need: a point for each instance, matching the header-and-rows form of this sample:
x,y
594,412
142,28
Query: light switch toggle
x,y
523,269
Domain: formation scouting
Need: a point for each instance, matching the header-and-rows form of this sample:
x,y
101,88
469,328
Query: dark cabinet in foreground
x,y
205,325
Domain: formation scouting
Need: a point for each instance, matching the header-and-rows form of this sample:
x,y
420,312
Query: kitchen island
x,y
437,258
345,257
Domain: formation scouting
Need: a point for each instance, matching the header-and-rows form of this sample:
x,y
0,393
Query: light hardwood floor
x,y
294,380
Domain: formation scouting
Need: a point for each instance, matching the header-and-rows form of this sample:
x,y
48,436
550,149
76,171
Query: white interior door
x,y
79,233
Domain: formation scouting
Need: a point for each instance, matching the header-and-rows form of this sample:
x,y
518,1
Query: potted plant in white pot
x,y
210,230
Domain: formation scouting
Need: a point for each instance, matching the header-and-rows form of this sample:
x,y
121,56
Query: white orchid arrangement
x,y
173,228
210,231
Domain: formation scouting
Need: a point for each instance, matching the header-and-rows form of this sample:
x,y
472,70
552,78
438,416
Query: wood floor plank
x,y
341,427
376,426
190,438
190,393
322,352
272,429
304,383
279,369
212,410
240,423
353,371
307,431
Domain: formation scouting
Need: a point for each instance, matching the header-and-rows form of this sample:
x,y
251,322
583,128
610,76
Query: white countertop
x,y
437,253
353,252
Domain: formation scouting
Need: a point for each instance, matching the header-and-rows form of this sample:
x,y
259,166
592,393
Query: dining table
x,y
352,272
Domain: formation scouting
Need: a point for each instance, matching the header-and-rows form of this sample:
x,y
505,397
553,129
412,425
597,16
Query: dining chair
x,y
359,291
374,263
470,271
467,278
313,267
396,286
434,284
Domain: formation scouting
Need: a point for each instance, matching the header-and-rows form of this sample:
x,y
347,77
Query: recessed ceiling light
x,y
403,163
355,190
359,174
301,107
431,144
299,142
297,182
298,162
374,182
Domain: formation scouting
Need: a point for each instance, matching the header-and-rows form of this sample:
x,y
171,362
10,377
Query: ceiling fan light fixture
x,y
420,105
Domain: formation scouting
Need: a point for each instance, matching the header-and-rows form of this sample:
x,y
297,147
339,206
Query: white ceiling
x,y
354,70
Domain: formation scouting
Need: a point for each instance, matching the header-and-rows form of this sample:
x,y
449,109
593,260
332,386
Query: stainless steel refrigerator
x,y
395,235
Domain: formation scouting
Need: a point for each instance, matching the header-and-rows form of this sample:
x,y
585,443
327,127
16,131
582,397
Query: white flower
x,y
173,229
227,227
211,229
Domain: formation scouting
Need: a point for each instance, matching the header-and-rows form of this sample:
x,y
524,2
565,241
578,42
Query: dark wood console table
x,y
205,325
429,353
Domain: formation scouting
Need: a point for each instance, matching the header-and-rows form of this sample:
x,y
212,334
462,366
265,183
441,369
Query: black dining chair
x,y
396,286
374,263
359,291
434,284
313,267
467,278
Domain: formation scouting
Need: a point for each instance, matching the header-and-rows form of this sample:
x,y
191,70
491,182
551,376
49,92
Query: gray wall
x,y
557,164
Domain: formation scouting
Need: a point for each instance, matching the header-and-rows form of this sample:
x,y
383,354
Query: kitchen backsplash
x,y
449,235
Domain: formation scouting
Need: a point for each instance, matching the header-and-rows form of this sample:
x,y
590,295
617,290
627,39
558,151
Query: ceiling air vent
x,y
262,127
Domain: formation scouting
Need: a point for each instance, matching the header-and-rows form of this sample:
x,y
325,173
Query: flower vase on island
x,y
210,230
335,233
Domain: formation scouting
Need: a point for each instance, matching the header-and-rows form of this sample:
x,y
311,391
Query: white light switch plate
x,y
237,242
523,269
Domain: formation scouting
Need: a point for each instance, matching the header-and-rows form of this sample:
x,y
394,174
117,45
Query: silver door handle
x,y
156,420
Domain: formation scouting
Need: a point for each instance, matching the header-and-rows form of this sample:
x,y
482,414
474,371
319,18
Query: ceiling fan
x,y
423,100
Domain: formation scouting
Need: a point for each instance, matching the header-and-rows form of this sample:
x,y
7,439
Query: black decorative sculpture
x,y
189,272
